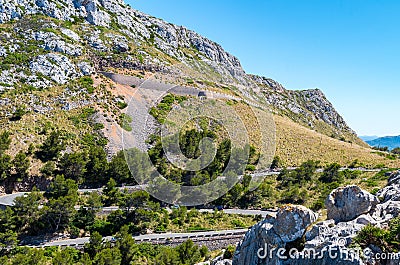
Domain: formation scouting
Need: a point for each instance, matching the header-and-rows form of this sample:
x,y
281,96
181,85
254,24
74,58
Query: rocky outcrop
x,y
63,10
345,204
268,83
140,27
391,192
326,242
86,68
54,43
292,221
217,261
315,101
70,34
309,106
287,227
3,51
57,67
390,196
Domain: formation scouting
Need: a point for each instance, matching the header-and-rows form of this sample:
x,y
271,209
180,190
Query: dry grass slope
x,y
296,144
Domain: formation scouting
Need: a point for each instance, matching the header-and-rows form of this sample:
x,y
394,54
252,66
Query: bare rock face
x,y
268,82
346,204
288,226
217,261
54,43
223,262
316,102
57,67
390,207
394,179
392,191
138,26
3,52
311,105
292,221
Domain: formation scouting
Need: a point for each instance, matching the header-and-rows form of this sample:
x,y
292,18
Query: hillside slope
x,y
50,49
109,33
316,146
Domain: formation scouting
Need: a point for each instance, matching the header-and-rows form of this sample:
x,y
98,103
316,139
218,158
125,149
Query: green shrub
x,y
165,106
86,82
18,113
16,59
83,117
122,105
98,126
375,191
331,174
51,30
396,151
250,167
238,223
229,252
276,163
387,240
125,121
372,235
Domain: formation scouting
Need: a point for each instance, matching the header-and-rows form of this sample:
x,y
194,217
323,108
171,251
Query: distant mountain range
x,y
389,141
368,138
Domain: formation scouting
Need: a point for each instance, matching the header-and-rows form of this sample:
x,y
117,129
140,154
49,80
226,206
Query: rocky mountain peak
x,y
140,41
268,83
141,27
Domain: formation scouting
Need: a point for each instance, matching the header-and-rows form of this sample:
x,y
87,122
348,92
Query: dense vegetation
x,y
307,187
190,147
303,185
89,167
165,106
61,209
55,211
38,214
189,141
123,251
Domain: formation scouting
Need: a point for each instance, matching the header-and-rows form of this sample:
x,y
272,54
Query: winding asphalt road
x,y
80,242
8,199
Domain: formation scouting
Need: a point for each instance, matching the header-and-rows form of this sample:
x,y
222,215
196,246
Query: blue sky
x,y
349,49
